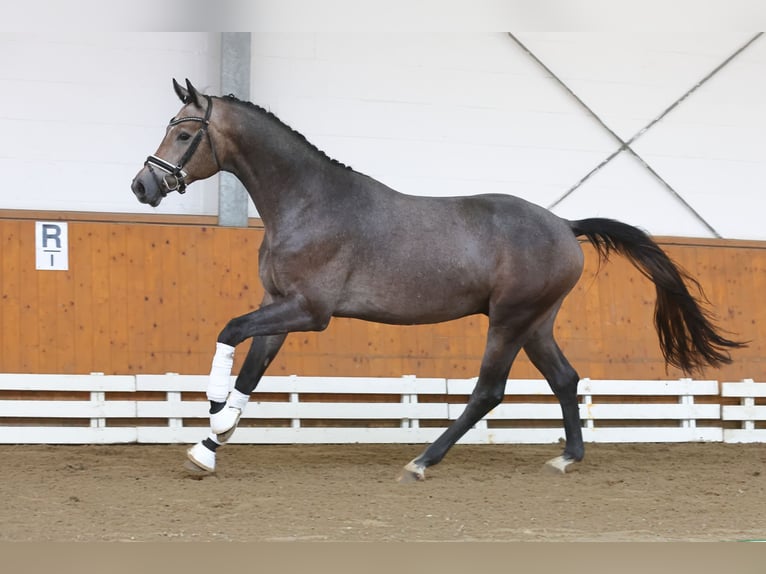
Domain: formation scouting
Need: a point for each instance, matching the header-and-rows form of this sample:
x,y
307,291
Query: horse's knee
x,y
488,398
564,386
231,334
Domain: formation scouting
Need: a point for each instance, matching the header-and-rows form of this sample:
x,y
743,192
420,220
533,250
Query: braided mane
x,y
251,106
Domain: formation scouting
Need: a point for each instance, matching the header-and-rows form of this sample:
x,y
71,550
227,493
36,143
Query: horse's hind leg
x,y
262,351
502,347
548,358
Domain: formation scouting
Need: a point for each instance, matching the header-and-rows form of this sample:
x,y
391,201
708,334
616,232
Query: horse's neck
x,y
278,168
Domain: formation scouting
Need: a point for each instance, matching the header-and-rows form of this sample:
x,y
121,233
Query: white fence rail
x,y
747,413
66,409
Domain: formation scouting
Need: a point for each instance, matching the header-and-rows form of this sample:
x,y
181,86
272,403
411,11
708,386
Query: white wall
x,y
80,113
427,113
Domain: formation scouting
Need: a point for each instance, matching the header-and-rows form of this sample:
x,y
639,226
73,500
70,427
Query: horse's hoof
x,y
560,465
200,459
224,422
412,472
196,471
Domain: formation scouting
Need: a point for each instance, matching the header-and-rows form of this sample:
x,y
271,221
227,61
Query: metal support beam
x,y
235,79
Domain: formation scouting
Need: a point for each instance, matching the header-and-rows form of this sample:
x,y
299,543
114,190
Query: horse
x,y
338,243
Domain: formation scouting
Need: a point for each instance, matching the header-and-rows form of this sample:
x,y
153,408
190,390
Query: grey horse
x,y
340,244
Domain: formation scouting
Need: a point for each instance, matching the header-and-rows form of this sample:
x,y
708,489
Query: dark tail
x,y
688,338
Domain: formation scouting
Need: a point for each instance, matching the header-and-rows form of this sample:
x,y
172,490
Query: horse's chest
x,y
268,273
282,273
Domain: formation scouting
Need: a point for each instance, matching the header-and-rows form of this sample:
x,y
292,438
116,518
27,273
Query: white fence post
x,y
748,424
294,399
174,398
98,398
410,398
688,400
587,402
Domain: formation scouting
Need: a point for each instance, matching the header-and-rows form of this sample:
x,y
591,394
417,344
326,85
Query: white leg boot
x,y
218,387
224,422
201,456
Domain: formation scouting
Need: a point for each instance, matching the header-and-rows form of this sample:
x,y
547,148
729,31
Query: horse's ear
x,y
182,93
193,94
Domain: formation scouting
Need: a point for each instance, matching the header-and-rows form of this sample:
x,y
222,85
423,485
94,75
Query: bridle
x,y
175,176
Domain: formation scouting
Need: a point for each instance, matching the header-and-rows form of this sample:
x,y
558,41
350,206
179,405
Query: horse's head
x,y
186,153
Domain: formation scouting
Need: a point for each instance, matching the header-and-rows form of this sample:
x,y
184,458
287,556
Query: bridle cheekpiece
x,y
175,176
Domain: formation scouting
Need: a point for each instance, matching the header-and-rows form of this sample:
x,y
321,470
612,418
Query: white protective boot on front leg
x,y
219,383
201,456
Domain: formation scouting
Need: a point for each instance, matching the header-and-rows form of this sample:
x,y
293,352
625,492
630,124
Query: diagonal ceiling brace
x,y
625,145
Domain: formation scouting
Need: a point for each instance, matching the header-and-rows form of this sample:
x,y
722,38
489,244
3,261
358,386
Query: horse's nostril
x,y
138,189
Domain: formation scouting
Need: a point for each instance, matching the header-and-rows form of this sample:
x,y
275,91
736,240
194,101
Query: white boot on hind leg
x,y
224,422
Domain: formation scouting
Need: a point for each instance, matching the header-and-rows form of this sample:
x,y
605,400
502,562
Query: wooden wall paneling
x,y
636,318
152,298
753,323
585,344
343,356
218,275
193,347
713,277
591,360
406,348
474,331
589,356
31,328
117,271
742,312
711,272
326,343
172,314
81,265
100,299
205,317
154,359
11,336
64,317
740,271
219,280
386,361
609,312
450,347
187,296
357,346
7,293
10,293
136,324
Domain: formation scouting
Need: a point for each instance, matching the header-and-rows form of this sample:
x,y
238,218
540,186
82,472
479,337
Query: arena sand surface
x,y
628,492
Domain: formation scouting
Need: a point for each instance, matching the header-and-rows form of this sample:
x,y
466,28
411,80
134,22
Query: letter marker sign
x,y
52,248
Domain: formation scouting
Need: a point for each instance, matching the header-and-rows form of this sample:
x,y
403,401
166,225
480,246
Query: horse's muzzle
x,y
146,193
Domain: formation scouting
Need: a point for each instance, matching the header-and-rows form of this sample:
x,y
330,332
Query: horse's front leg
x,y
261,353
224,416
273,321
268,326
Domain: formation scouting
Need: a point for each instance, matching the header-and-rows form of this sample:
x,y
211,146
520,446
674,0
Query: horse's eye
x,y
183,136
